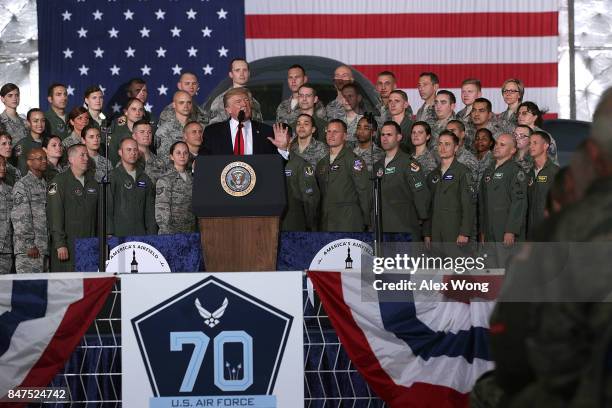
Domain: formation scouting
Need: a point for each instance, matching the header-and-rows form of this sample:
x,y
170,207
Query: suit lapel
x,y
227,146
256,136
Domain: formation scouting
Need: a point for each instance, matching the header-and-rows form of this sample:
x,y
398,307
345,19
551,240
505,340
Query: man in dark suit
x,y
246,137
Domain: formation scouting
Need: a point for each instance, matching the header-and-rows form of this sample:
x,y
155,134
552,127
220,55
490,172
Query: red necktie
x,y
239,142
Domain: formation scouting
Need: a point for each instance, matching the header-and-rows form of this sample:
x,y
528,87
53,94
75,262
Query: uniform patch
x,y
91,191
487,179
530,182
78,191
498,176
18,150
334,167
60,127
160,190
435,179
390,170
308,191
358,165
288,172
128,185
308,171
414,167
379,173
141,184
542,179
18,199
418,185
121,121
448,177
520,176
52,189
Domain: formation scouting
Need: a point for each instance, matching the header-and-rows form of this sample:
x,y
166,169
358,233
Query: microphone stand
x,y
377,195
102,209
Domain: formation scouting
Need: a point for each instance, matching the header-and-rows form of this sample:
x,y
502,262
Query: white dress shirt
x,y
247,135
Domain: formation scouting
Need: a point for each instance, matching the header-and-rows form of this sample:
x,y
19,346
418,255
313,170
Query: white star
x,y
114,70
192,51
103,89
222,14
99,52
97,15
160,14
176,32
161,53
66,15
206,32
176,70
129,14
83,70
144,32
162,90
67,53
222,51
116,107
191,14
82,33
146,70
129,52
70,90
207,70
112,33
148,107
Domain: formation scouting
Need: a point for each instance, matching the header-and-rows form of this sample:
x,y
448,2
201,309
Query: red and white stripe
x,y
486,39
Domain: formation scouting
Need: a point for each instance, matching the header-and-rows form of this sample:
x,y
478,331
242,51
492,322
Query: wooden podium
x,y
239,201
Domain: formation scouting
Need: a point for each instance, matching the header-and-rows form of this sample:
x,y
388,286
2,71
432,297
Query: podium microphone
x,y
241,116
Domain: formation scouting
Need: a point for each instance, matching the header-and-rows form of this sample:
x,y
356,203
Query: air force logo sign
x,y
212,343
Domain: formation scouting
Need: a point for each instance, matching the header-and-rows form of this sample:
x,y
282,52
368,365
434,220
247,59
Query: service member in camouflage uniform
x,y
94,102
512,91
133,112
12,173
366,148
288,110
385,84
153,165
304,144
10,120
471,89
453,206
131,207
428,87
401,113
240,74
503,196
420,137
6,229
78,118
193,135
188,82
36,122
29,216
540,178
307,102
405,196
55,154
56,119
521,136
344,183
484,144
171,130
137,88
482,117
302,196
72,198
99,166
342,76
444,105
463,155
351,101
173,194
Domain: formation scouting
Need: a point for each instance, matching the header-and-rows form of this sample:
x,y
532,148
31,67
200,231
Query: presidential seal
x,y
238,179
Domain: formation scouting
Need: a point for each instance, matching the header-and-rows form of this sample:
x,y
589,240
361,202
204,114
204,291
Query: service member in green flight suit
x,y
56,117
345,184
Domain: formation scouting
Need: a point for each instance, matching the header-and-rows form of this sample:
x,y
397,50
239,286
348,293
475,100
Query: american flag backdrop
x,y
491,40
106,43
85,42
